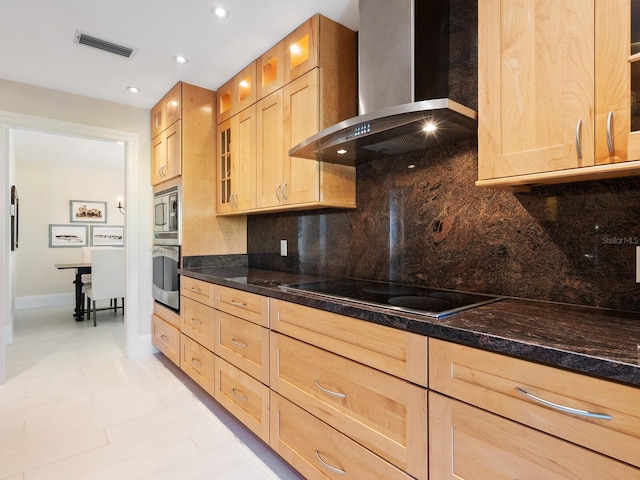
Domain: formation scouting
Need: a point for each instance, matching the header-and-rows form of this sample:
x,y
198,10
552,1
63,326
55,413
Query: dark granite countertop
x,y
597,342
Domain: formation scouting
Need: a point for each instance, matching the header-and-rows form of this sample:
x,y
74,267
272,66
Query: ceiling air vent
x,y
104,45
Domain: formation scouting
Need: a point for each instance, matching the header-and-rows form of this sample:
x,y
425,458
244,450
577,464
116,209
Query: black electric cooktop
x,y
437,303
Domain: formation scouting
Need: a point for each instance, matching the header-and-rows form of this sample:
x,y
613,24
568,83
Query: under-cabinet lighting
x,y
342,151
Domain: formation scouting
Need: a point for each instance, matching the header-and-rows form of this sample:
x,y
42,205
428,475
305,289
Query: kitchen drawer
x,y
384,413
468,443
245,397
496,383
249,306
388,349
197,321
166,338
197,290
318,451
166,314
197,362
244,344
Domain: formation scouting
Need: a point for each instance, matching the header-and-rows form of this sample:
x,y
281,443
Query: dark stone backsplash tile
x,y
430,225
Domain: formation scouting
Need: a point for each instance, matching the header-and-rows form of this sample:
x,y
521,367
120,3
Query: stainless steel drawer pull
x,y
239,396
239,343
196,362
325,390
278,190
612,150
579,139
195,289
284,191
333,469
196,321
562,408
238,304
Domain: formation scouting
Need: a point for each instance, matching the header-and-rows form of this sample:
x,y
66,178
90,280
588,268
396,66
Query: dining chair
x,y
107,279
85,257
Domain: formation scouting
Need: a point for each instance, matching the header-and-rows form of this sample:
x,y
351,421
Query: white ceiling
x,y
37,38
38,48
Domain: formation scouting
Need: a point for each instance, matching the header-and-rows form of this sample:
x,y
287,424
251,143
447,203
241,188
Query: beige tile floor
x,y
73,407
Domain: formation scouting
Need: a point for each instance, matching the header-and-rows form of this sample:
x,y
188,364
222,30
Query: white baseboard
x,y
52,300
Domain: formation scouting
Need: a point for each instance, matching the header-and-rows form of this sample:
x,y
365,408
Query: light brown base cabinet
x,y
320,452
469,443
339,397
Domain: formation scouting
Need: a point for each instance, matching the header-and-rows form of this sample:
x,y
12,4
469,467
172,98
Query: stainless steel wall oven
x,y
166,281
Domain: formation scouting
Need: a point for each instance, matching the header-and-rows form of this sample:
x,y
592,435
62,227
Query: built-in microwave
x,y
166,280
166,216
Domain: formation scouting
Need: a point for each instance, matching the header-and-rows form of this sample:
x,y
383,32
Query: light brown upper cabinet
x,y
270,71
237,163
301,48
237,94
184,122
305,83
167,110
554,92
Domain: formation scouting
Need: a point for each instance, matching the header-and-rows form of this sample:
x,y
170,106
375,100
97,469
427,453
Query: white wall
x,y
32,107
45,191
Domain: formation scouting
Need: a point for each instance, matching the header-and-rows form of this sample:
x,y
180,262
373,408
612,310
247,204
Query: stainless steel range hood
x,y
403,83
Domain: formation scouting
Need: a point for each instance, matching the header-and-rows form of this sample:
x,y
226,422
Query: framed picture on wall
x,y
104,235
83,211
67,236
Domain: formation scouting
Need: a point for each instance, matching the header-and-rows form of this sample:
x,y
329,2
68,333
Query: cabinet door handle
x,y
195,289
196,362
238,304
278,189
164,337
239,343
562,408
195,321
326,465
579,138
612,150
239,396
329,392
284,191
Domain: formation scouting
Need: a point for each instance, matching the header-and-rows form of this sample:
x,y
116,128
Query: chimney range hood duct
x,y
403,83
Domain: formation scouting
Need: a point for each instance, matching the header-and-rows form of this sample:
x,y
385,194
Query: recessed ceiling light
x,y
220,12
133,89
342,151
180,59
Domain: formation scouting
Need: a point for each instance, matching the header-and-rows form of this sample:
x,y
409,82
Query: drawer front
x,y
196,290
166,338
244,344
498,383
198,321
469,443
197,362
166,314
249,306
318,451
384,413
388,349
245,397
